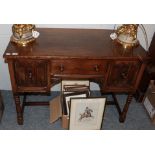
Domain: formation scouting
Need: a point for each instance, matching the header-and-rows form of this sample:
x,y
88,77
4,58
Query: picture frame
x,y
68,97
86,113
75,88
74,83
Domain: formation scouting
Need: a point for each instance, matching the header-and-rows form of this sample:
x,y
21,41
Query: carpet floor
x,y
37,118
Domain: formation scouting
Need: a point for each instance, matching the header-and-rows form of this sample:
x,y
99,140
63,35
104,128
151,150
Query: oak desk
x,y
73,54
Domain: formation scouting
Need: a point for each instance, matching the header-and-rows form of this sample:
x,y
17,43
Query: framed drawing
x,y
86,113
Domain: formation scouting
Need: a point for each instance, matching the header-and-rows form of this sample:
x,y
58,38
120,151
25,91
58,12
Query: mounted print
x,y
86,113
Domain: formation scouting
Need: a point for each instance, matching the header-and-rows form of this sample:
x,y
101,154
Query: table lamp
x,y
23,34
126,35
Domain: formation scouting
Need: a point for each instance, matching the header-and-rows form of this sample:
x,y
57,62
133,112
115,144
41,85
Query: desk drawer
x,y
80,66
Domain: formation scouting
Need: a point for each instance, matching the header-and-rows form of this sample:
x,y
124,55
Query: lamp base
x,y
125,45
23,34
22,42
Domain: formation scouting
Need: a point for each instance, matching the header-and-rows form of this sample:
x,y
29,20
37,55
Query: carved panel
x,y
123,74
31,73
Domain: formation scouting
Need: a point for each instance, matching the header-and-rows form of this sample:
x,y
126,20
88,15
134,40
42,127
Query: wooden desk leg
x,y
1,107
19,110
116,104
125,109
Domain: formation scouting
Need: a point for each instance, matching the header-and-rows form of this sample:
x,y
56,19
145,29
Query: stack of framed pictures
x,y
73,89
83,112
76,108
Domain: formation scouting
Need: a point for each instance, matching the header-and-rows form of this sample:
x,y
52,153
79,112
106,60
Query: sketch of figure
x,y
87,114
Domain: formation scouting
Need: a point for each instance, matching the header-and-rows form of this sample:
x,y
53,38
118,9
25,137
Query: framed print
x,y
75,88
86,113
68,97
74,83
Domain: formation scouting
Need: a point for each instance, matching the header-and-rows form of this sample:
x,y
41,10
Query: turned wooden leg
x,y
1,107
18,110
116,104
125,109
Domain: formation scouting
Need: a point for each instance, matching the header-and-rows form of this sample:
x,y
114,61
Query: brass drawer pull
x,y
124,75
30,75
96,67
61,67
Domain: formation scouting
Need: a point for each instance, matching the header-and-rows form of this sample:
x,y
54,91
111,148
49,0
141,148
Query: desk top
x,y
73,43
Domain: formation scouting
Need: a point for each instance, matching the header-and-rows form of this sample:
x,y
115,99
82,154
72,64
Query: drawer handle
x,y
30,75
124,75
96,67
61,67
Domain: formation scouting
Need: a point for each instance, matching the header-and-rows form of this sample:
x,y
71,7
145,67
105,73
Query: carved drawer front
x,y
123,75
31,73
80,66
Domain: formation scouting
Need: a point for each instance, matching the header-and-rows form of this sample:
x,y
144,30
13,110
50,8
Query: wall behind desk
x,y
5,33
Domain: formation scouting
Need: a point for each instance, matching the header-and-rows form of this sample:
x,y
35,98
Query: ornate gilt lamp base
x,y
127,35
126,45
22,42
23,34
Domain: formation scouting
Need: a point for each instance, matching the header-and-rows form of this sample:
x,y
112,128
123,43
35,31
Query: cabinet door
x,y
31,74
123,75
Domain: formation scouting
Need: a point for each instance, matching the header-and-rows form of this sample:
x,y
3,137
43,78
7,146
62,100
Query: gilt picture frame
x,y
86,113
